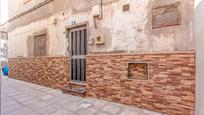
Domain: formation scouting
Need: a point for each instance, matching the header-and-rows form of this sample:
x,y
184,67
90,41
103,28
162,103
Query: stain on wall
x,y
180,35
130,31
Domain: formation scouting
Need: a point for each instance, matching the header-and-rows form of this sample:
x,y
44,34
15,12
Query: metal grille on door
x,y
78,51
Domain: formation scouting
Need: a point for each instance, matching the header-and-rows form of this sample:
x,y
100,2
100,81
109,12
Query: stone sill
x,y
132,54
38,57
112,54
78,83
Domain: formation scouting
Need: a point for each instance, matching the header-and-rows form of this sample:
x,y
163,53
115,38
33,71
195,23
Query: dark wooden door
x,y
78,43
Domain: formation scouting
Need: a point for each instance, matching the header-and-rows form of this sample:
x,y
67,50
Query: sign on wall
x,y
168,15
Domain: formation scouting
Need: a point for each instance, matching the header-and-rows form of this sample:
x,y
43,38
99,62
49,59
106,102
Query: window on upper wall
x,y
26,1
40,45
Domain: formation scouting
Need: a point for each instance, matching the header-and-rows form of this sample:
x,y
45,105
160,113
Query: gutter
x,y
30,10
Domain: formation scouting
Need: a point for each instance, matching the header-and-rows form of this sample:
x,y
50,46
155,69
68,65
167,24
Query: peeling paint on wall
x,y
168,45
129,31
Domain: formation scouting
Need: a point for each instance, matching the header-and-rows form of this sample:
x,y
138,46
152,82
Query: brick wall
x,y
170,89
46,71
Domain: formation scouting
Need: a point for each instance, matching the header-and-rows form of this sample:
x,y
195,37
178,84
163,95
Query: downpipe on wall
x,y
101,14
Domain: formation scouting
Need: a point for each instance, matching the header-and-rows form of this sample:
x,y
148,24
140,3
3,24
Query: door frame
x,y
35,37
68,29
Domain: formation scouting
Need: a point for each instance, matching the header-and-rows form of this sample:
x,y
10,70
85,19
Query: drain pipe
x,y
101,8
100,16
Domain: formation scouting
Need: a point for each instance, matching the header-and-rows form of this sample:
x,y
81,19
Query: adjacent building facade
x,y
136,52
3,45
199,25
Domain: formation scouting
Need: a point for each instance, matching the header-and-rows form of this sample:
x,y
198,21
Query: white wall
x,y
3,11
199,37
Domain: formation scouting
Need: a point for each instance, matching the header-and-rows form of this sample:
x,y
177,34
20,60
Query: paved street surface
x,y
21,98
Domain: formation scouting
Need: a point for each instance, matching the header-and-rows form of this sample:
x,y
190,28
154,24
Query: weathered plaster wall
x,y
129,31
37,15
176,37
19,37
199,38
21,6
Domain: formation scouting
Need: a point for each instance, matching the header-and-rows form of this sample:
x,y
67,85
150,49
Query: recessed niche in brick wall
x,y
167,15
139,71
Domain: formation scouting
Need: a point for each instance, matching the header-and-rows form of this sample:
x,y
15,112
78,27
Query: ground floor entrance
x,y
78,50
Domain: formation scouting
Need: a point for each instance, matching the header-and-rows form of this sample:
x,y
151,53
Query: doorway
x,y
78,51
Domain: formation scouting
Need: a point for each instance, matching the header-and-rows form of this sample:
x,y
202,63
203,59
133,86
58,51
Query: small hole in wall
x,y
139,71
126,7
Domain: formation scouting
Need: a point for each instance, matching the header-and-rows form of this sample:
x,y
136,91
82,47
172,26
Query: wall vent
x,y
138,71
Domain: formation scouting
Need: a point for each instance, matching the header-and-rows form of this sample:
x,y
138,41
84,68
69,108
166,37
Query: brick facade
x,y
170,88
46,71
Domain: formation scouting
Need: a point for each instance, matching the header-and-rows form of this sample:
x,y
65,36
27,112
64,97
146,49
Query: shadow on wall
x,y
199,37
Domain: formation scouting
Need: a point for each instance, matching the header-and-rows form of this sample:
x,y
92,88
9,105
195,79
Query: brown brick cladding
x,y
46,71
170,89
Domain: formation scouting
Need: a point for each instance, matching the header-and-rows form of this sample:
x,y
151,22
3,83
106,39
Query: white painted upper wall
x,y
3,11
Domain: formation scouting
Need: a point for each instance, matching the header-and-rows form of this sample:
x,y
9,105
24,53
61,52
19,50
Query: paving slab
x,y
46,97
22,98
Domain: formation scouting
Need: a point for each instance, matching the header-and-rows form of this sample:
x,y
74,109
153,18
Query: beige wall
x,y
17,7
0,12
199,35
129,31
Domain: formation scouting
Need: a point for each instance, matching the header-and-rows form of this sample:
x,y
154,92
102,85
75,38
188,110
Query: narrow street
x,y
21,98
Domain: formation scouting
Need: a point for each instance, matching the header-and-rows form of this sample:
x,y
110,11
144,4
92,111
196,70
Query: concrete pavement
x,y
22,98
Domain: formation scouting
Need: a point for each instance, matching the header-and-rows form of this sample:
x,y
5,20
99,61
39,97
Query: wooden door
x,y
40,45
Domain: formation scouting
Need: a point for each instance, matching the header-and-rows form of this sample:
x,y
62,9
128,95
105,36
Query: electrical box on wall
x,y
95,11
100,40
